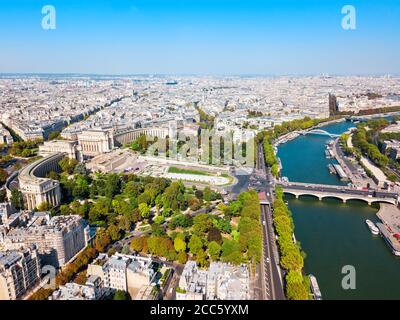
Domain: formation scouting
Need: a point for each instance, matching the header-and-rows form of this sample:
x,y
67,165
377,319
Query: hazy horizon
x,y
200,37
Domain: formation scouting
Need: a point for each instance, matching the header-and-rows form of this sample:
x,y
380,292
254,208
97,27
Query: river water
x,y
334,234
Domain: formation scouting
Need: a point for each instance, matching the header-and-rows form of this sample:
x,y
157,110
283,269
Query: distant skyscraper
x,y
333,105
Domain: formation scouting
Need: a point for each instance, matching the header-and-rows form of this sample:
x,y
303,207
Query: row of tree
x,y
360,141
250,230
290,126
270,158
292,258
24,149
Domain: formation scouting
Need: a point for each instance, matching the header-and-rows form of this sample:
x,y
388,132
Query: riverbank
x,y
352,168
390,227
294,134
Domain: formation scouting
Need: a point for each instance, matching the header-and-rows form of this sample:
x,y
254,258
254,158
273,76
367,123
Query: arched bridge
x,y
343,193
321,133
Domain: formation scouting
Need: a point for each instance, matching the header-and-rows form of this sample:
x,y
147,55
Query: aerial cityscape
x,y
197,185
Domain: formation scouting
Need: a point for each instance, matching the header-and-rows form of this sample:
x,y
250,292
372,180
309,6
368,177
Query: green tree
x,y
182,257
235,207
81,188
17,199
114,232
112,185
157,230
54,135
3,176
144,210
202,223
295,286
102,240
207,194
202,258
231,252
132,189
159,220
100,210
214,249
121,295
214,235
180,220
138,244
44,206
65,210
173,197
145,197
68,165
53,175
124,223
292,260
180,243
223,225
194,204
140,144
199,194
195,244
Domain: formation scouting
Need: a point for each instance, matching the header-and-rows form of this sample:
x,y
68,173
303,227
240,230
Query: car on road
x,y
267,259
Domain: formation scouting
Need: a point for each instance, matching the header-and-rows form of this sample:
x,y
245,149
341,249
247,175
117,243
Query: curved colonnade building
x,y
34,185
129,136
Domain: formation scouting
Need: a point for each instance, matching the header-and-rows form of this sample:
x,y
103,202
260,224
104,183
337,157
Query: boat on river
x,y
315,288
331,169
372,227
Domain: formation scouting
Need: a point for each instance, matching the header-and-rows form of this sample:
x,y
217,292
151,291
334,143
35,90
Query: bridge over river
x,y
339,192
320,132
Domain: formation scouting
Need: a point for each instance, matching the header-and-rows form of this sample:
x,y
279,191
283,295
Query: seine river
x,y
334,234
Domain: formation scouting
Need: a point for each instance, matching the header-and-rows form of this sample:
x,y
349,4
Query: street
x,y
270,270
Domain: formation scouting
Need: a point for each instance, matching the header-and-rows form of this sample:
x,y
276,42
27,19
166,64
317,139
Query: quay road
x,y
272,282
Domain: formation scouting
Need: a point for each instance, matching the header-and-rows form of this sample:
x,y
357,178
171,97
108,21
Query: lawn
x,y
188,171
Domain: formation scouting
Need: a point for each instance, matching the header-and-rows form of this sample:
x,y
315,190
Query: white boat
x,y
315,288
372,227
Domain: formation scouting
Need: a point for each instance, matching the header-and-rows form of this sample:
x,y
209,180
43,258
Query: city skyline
x,y
201,37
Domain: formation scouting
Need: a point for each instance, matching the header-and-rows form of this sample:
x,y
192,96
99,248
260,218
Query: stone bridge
x,y
337,192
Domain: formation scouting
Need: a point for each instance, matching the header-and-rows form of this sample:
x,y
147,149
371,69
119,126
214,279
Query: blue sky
x,y
271,37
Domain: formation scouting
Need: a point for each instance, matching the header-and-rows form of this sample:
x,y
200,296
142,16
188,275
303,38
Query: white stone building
x,y
19,272
58,239
221,281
